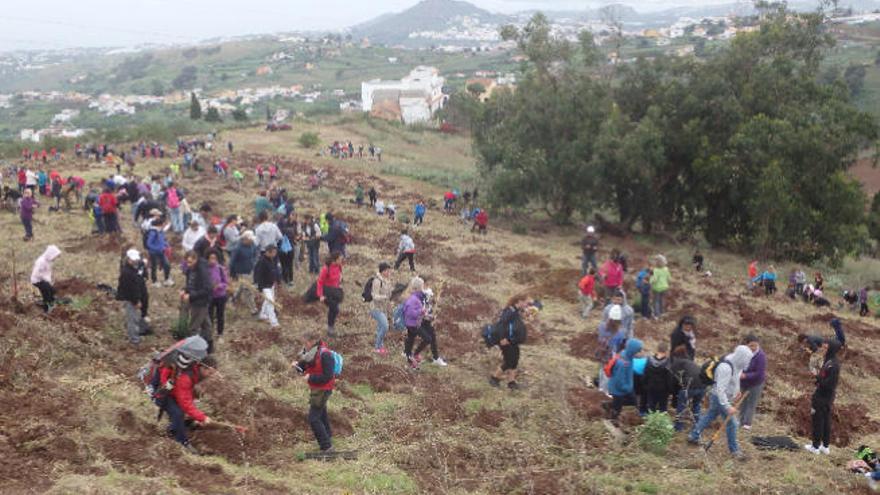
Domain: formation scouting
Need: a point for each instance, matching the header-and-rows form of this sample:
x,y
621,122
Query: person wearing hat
x,y
266,276
511,330
381,289
177,382
589,247
156,246
131,290
197,293
627,313
610,335
241,263
192,236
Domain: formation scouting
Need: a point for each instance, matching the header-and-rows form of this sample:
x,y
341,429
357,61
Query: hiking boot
x,y
513,386
746,427
494,382
740,456
157,285
169,282
813,450
191,449
825,450
440,362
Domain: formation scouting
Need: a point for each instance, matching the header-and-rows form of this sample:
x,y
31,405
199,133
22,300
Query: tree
x,y
309,140
854,76
476,89
186,79
213,115
158,89
195,108
240,115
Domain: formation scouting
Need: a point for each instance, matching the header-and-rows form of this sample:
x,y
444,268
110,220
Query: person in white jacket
x,y
406,250
192,235
41,276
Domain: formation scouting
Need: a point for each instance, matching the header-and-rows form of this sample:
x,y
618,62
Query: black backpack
x,y
367,294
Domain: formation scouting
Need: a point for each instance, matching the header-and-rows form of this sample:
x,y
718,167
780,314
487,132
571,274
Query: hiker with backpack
x,y
266,276
241,263
337,236
289,227
197,294
427,329
131,290
725,391
156,247
508,333
328,288
172,202
414,312
589,248
752,381
377,292
823,398
689,385
320,365
41,275
220,281
659,284
267,232
620,383
406,250
312,237
174,384
610,336
658,383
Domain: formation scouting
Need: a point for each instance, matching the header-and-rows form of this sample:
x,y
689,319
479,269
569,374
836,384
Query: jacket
x,y
335,237
190,237
756,373
27,206
660,279
420,210
686,373
131,286
268,234
587,285
242,260
590,244
414,310
42,271
198,284
156,242
828,377
108,203
330,276
838,330
381,291
658,376
219,279
627,322
679,337
511,326
182,393
621,381
266,273
406,244
613,273
319,365
727,375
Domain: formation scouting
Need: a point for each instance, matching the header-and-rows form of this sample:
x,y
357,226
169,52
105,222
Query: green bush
x,y
309,140
656,432
520,229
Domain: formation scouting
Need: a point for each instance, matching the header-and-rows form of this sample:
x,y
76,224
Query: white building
x,y
65,116
418,95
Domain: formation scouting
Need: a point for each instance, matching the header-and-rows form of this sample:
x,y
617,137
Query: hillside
x,y
81,424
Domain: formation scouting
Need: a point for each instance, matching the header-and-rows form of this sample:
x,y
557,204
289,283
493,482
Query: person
x,y
230,233
41,275
337,234
197,294
406,249
241,263
481,222
811,345
768,280
156,247
131,291
380,207
329,289
427,329
192,236
373,195
837,326
312,236
359,195
658,383
268,233
209,243
587,292
609,335
620,384
589,248
262,204
220,281
419,213
266,276
823,398
688,384
611,274
627,314
176,384
413,313
380,292
753,274
317,362
685,334
289,228
863,302
697,261
26,206
660,278
643,284
722,397
800,280
752,381
172,201
510,332
109,208
56,191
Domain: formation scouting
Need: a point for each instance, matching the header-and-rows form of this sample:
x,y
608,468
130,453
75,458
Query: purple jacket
x,y
413,310
219,279
756,373
27,208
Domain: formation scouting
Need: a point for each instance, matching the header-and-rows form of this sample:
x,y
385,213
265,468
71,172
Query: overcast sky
x,y
41,24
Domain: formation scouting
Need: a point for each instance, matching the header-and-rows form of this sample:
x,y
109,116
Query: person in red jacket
x,y
22,179
317,362
329,289
179,403
109,206
587,287
481,222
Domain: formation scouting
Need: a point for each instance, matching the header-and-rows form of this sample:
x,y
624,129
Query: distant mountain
x,y
427,15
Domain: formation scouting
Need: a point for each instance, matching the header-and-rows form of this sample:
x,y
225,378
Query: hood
x,y
833,348
658,363
740,358
51,252
195,347
633,347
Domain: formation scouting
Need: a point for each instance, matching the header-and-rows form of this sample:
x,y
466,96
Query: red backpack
x,y
609,366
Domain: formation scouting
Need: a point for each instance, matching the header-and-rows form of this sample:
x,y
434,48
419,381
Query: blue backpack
x,y
338,362
285,247
397,318
492,337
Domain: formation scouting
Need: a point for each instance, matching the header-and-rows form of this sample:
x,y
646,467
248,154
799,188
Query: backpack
x,y
346,234
608,369
148,374
367,294
491,335
397,318
338,362
286,247
709,367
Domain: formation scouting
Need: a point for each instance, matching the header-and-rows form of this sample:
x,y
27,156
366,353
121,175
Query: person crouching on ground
x,y
41,276
722,398
316,361
512,330
186,372
131,291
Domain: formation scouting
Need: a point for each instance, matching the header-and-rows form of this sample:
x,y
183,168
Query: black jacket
x,y
678,338
658,376
203,248
266,273
511,326
132,286
826,380
199,285
686,373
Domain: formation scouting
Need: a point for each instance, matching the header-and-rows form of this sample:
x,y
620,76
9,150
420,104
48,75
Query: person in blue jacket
x,y
620,385
156,246
419,213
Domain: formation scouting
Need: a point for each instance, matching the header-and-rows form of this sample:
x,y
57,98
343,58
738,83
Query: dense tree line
x,y
747,146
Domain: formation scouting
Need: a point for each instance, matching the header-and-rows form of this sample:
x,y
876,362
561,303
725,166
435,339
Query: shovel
x,y
723,425
238,428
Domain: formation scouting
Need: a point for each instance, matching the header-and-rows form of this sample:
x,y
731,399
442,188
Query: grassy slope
x,y
87,428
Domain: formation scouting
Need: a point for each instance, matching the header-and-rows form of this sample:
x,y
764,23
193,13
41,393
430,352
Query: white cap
x,y
591,229
133,255
616,313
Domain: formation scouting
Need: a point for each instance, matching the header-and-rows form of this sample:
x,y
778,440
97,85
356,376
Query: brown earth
x,y
848,422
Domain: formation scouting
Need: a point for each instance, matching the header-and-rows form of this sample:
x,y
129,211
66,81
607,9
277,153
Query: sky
x,y
52,24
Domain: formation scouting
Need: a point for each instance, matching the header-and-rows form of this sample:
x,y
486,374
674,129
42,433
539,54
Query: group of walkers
x,y
342,150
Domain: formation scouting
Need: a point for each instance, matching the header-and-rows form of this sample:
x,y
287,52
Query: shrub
x,y
309,139
656,432
520,229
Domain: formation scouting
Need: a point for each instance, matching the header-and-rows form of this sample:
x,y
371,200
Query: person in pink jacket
x,y
41,276
612,274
